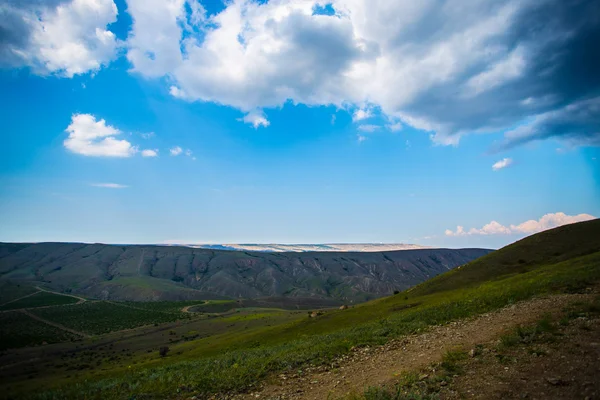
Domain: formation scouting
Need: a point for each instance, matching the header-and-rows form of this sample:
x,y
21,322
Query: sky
x,y
441,123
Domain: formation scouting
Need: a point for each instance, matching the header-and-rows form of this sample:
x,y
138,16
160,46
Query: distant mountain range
x,y
132,272
340,247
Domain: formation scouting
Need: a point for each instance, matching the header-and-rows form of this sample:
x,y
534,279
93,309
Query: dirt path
x,y
24,297
379,365
54,324
81,299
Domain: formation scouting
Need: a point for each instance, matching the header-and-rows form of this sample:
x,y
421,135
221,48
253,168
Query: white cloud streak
x,y
109,185
505,162
546,222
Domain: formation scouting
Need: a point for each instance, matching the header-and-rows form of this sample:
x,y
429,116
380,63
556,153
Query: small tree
x,y
396,291
163,351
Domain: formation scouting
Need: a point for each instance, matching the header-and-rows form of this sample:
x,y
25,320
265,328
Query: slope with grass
x,y
236,361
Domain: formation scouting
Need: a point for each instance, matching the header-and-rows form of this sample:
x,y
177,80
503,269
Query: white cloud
x,y
150,153
93,138
256,55
368,128
548,221
361,138
67,39
394,127
505,162
109,185
147,135
188,153
256,118
175,151
361,114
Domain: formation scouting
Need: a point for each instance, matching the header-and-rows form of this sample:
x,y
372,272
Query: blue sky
x,y
296,122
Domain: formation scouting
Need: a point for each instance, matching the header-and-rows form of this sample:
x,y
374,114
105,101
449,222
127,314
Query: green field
x,y
101,317
10,291
234,360
41,299
18,330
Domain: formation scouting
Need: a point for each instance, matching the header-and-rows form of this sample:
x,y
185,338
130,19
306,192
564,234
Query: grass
x,y
235,361
10,291
41,299
19,330
103,317
226,363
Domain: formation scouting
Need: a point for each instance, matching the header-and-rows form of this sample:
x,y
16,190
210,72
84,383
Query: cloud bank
x,y
548,221
447,68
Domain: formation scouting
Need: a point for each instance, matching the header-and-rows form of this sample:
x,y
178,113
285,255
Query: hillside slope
x,y
545,248
169,273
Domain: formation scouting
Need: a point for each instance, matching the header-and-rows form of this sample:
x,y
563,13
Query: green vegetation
x,y
19,330
41,299
10,291
103,317
215,306
163,306
235,361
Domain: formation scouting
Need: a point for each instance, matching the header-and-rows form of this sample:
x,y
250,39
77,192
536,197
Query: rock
x,y
472,353
556,382
344,307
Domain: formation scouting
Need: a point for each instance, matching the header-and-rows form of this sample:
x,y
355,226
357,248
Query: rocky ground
x,y
566,367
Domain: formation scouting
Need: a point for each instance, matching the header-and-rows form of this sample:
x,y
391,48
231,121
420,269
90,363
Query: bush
x,y
163,351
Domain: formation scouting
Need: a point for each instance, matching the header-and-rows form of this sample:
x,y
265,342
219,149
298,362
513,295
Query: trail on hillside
x,y
54,324
376,366
81,299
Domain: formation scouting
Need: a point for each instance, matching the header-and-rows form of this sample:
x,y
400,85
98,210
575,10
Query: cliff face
x,y
163,272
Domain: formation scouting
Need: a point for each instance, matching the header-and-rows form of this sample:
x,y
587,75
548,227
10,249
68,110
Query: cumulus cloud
x,y
62,37
505,162
256,118
150,153
175,151
449,69
90,137
548,221
109,185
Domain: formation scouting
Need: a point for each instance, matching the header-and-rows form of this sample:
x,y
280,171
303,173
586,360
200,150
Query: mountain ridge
x,y
142,272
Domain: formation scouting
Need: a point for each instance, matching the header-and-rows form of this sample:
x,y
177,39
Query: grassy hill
x,y
566,259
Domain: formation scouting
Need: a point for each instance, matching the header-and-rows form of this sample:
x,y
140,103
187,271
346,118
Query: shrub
x,y
163,351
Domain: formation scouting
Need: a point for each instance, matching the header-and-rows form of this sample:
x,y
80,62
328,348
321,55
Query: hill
x,y
147,273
